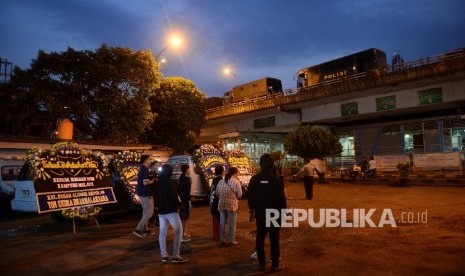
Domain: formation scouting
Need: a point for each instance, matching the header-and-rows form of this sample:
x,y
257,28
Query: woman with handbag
x,y
229,191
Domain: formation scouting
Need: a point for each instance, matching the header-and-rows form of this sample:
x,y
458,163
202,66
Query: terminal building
x,y
403,109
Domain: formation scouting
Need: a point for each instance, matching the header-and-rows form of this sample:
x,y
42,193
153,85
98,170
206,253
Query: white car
x,y
25,196
10,168
199,187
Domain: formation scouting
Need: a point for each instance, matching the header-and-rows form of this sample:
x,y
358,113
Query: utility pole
x,y
6,69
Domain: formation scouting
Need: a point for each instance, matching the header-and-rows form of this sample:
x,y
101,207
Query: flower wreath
x,y
235,153
32,158
84,213
122,159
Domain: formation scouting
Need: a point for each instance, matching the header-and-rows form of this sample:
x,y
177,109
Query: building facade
x,y
419,109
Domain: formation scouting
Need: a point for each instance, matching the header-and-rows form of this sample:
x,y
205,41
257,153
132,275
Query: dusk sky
x,y
256,39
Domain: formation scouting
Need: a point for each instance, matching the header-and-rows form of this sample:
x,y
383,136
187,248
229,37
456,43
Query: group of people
x,y
266,190
364,169
173,206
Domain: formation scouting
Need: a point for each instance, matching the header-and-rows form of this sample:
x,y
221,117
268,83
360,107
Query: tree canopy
x,y
104,92
180,109
310,143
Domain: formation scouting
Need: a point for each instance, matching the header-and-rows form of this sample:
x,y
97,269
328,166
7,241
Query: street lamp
x,y
228,71
175,42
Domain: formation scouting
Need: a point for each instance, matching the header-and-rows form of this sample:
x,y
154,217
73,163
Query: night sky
x,y
256,38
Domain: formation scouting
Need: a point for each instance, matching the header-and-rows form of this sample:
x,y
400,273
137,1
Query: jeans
x,y
308,183
224,216
175,222
147,211
274,243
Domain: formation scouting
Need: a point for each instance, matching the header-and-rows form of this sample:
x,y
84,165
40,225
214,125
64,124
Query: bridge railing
x,y
419,69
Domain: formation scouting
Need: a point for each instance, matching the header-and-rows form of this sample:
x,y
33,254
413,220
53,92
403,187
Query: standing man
x,y
372,167
308,170
266,191
184,191
168,204
219,170
146,199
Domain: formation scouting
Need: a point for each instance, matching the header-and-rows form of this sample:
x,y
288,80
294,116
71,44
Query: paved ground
x,y
41,247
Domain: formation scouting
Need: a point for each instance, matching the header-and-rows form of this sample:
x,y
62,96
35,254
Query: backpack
x,y
213,197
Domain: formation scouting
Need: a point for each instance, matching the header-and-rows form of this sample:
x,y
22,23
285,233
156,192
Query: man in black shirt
x,y
184,191
219,170
266,192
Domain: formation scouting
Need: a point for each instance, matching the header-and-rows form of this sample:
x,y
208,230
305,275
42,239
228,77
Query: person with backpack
x,y
219,170
229,191
168,203
266,191
184,191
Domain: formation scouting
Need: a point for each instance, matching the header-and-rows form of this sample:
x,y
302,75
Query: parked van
x,y
24,194
176,162
201,167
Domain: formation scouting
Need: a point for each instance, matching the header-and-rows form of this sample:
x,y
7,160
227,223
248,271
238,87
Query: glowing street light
x,y
175,42
227,71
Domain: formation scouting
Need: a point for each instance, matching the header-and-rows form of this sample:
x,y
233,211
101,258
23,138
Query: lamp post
x,y
228,71
175,42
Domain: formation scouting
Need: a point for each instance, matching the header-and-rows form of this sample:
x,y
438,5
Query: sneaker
x,y
277,268
138,233
254,256
185,239
187,235
165,259
149,232
234,243
178,260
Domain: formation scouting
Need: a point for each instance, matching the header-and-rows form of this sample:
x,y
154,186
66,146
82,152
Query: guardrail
x,y
419,69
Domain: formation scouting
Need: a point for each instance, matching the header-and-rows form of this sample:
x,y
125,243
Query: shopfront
x,y
254,144
403,138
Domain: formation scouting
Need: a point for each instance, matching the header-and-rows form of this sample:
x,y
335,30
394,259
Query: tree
x,y
104,92
310,143
20,114
180,109
124,82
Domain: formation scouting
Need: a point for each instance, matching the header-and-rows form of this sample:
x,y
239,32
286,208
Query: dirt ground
x,y
436,247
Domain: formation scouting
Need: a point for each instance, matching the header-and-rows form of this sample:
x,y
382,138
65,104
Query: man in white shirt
x,y
307,170
372,167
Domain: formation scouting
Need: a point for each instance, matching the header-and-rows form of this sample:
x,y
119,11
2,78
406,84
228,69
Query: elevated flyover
x,y
350,100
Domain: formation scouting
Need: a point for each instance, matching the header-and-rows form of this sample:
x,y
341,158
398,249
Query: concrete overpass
x,y
427,89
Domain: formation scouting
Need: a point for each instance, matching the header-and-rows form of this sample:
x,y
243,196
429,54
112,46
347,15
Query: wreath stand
x,y
74,225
